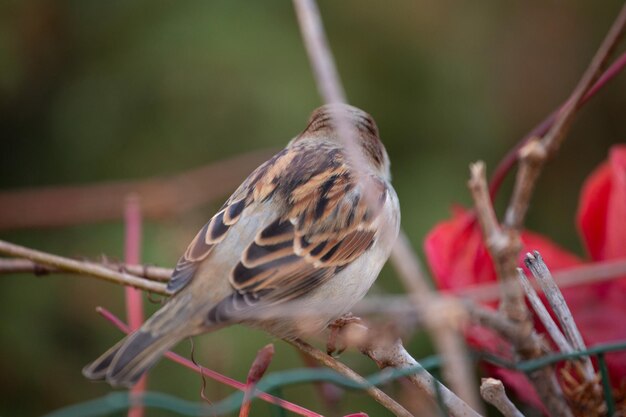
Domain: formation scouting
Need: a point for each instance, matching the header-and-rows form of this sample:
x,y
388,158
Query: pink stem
x,y
510,158
256,372
134,300
215,375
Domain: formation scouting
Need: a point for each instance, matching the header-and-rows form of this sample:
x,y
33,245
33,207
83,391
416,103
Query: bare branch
x,y
445,328
555,298
512,156
85,268
294,408
153,273
503,246
397,357
160,196
543,314
534,154
387,351
386,401
493,392
409,267
257,370
330,88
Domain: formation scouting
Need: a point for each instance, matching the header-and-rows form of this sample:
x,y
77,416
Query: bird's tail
x,y
124,363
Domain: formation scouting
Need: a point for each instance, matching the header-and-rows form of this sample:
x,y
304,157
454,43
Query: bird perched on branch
x,y
295,246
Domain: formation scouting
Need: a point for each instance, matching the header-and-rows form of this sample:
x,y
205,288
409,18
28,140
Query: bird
x,y
299,242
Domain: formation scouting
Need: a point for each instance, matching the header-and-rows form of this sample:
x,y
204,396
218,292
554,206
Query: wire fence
x,y
276,381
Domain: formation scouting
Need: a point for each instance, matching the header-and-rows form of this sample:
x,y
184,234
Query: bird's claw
x,y
336,344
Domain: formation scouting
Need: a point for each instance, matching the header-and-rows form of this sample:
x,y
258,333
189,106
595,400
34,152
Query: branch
x,y
387,351
572,337
542,312
134,298
493,392
555,298
445,328
85,268
160,196
504,245
331,90
150,272
294,408
327,360
535,153
397,357
409,267
257,370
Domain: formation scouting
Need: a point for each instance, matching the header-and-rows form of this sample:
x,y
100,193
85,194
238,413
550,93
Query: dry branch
x,y
504,245
294,408
387,351
257,370
493,392
84,268
150,272
327,360
331,90
555,298
535,153
543,314
160,196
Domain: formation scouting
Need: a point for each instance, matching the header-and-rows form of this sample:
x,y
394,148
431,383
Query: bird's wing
x,y
325,224
216,229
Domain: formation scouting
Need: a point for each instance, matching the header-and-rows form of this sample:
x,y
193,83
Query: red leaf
x,y
602,208
458,257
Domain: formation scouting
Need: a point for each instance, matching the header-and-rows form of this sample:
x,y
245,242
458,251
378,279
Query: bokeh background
x,y
95,91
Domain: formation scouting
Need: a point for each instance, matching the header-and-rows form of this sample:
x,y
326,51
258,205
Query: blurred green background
x,y
93,91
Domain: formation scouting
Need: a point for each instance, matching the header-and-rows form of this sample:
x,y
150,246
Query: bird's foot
x,y
336,340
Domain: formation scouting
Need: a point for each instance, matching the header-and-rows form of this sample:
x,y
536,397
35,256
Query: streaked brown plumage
x,y
294,247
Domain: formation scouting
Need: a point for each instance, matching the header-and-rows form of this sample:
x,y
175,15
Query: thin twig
x,y
396,356
329,393
505,165
504,245
327,360
84,268
233,383
330,88
387,351
531,344
443,318
257,370
555,298
542,312
535,153
134,300
409,267
160,196
585,274
150,272
493,392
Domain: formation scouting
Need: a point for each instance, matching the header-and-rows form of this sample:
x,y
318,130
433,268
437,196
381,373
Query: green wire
x,y
275,381
606,385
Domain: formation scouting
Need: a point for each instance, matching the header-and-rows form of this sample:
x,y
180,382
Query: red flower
x,y
458,258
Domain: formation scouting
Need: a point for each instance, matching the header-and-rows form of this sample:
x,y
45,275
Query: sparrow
x,y
294,247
